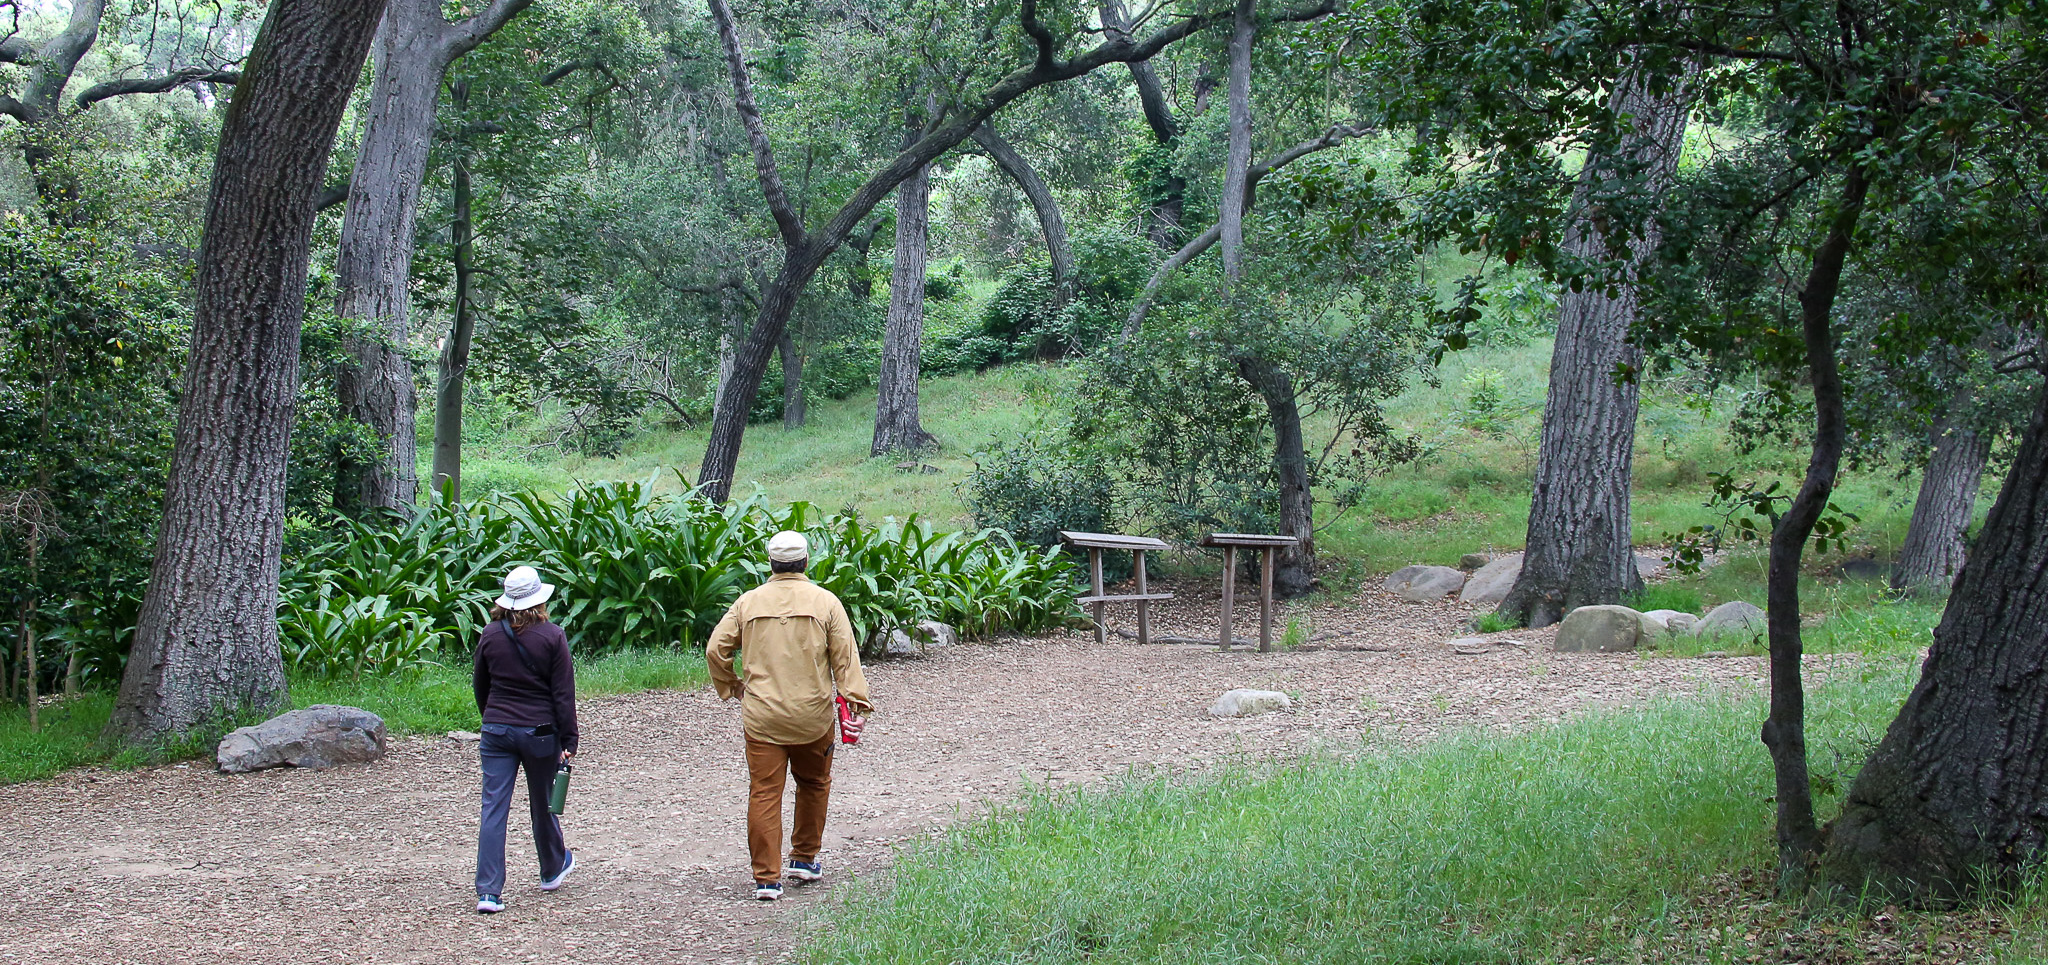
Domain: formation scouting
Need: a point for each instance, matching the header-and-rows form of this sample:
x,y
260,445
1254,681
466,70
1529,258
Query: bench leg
x,y
1095,582
1229,588
1144,606
1266,602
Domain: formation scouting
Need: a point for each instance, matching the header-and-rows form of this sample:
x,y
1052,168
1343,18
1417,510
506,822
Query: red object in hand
x,y
845,717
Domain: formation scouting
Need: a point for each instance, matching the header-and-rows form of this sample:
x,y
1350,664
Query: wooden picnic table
x,y
1230,543
1097,599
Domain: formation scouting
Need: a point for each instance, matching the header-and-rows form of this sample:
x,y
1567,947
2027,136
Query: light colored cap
x,y
523,589
788,546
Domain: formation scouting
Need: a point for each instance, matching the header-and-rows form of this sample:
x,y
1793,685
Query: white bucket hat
x,y
523,589
788,546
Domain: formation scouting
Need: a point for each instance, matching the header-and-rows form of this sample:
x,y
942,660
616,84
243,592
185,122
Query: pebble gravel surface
x,y
372,863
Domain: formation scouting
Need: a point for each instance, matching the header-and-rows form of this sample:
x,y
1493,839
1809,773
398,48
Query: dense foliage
x,y
638,569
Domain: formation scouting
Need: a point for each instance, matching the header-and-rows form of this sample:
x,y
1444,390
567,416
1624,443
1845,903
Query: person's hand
x,y
852,725
566,755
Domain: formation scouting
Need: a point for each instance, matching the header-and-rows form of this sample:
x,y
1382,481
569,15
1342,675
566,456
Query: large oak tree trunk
x,y
454,363
1579,549
897,428
1935,544
1954,795
1238,149
1784,731
374,263
206,642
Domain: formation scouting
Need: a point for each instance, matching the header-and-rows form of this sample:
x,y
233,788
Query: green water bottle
x,y
559,797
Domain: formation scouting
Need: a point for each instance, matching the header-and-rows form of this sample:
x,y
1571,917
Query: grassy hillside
x,y
1478,420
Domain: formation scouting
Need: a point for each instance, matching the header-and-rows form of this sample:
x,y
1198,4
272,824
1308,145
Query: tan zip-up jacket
x,y
796,643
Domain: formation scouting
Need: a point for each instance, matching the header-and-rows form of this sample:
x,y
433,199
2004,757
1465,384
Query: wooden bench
x,y
1096,599
1230,543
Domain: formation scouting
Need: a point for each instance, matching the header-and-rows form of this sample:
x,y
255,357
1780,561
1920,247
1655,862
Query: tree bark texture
x,y
1784,731
1953,797
454,364
1935,543
792,383
374,263
1238,156
1050,222
1294,569
1579,548
806,250
206,643
897,427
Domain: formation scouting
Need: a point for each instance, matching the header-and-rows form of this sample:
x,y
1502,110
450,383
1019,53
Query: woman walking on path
x,y
526,691
797,644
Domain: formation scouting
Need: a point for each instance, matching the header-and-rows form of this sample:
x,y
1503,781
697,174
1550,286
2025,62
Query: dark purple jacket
x,y
507,693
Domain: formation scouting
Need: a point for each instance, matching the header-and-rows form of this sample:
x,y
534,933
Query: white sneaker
x,y
489,905
556,881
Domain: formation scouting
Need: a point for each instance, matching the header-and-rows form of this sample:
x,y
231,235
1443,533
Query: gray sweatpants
x,y
505,750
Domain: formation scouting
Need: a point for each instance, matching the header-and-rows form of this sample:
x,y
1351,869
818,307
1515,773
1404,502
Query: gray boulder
x,y
1600,629
1493,581
323,735
1473,561
1649,567
1425,583
938,634
1865,569
1675,621
1734,617
1245,703
929,635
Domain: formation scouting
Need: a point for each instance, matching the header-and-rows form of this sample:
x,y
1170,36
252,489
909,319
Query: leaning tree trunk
x,y
792,383
374,263
1294,569
1952,799
1167,195
1935,544
454,363
897,428
1784,731
1238,149
206,644
1579,549
1050,222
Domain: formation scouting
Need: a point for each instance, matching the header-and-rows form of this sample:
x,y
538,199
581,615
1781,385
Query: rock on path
x,y
372,863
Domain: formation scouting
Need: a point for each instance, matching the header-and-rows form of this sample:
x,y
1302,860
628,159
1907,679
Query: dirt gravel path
x,y
372,864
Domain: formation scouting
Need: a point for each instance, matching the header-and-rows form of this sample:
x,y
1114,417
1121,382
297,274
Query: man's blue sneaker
x,y
767,890
556,882
489,905
806,870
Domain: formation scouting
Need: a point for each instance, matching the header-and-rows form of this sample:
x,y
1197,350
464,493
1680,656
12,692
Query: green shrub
x,y
639,570
1034,488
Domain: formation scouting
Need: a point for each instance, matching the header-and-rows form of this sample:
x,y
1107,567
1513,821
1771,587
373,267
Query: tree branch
x,y
15,109
330,196
1113,49
1049,219
1151,95
14,50
786,221
461,38
154,85
1041,36
1328,139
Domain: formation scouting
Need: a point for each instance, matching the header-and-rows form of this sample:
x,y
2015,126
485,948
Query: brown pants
x,y
770,766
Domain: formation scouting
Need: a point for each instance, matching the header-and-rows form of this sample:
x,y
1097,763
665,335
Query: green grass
x,y
432,700
1585,841
826,462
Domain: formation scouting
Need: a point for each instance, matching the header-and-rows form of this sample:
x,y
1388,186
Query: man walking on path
x,y
796,644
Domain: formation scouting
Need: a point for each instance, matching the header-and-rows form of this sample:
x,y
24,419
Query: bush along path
x,y
371,864
641,570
